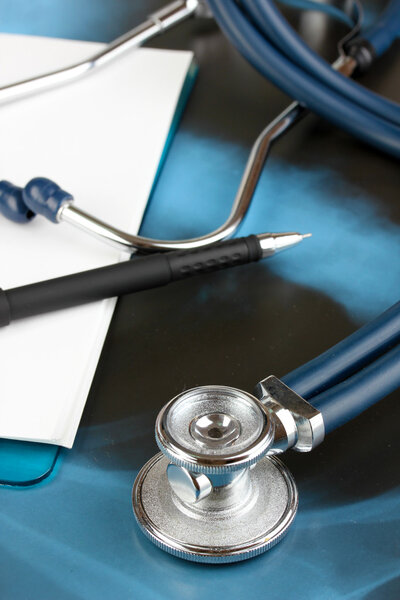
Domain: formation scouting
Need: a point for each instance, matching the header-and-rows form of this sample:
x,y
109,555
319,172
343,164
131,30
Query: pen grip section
x,y
226,254
138,274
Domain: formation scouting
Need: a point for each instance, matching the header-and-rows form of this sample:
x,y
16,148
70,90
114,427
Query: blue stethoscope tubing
x,y
348,399
365,367
265,39
386,29
348,356
355,373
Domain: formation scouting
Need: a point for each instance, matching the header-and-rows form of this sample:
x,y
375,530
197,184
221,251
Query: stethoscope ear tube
x,y
44,197
12,203
40,196
386,29
303,83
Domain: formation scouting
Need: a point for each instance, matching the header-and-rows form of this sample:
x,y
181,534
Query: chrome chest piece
x,y
216,493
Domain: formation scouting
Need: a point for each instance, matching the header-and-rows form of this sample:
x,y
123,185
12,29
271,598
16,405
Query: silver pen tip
x,y
276,242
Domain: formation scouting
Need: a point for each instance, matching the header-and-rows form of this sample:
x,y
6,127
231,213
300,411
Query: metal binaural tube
x,y
122,240
158,22
251,175
255,163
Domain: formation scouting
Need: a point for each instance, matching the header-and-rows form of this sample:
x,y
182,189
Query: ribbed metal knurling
x,y
201,557
228,538
216,469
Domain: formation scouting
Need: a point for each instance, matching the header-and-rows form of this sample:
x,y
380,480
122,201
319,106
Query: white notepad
x,y
100,138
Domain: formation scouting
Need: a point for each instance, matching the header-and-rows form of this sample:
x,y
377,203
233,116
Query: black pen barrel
x,y
88,286
123,278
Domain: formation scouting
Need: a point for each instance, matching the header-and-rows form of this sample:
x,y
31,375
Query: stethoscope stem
x,y
255,163
41,196
157,23
21,205
125,241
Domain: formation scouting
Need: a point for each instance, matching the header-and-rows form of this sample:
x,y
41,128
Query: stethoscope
x,y
217,491
281,56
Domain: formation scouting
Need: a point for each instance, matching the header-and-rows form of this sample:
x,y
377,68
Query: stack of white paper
x,y
100,138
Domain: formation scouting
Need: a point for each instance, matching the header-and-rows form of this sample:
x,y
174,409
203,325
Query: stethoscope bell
x,y
212,495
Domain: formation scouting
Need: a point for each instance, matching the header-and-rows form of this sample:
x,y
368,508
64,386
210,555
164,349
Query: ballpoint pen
x,y
138,274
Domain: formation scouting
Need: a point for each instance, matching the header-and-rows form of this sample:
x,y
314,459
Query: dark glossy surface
x,y
74,536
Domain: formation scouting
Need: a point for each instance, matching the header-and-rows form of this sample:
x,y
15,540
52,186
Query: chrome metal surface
x,y
300,426
233,523
253,169
240,433
276,242
215,429
258,154
160,21
285,427
121,240
212,495
157,23
346,65
189,487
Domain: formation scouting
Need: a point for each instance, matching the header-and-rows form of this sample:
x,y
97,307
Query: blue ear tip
x,y
40,185
12,205
44,197
39,189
